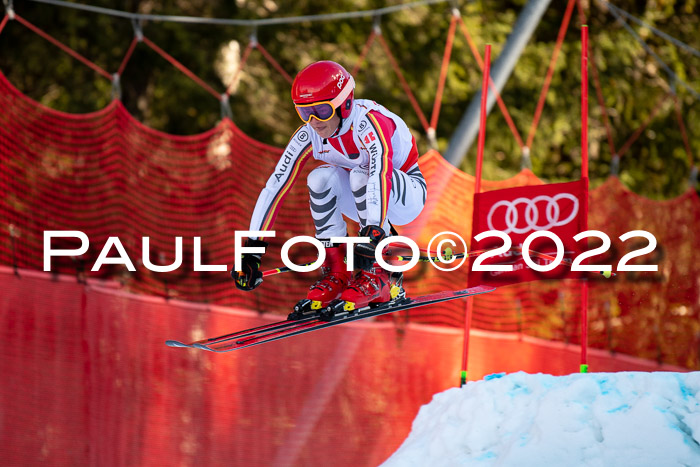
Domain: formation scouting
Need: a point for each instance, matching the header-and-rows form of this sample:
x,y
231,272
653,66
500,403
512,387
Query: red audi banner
x,y
539,222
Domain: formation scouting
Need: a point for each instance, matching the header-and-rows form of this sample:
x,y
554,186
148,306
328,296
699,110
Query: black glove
x,y
364,252
249,277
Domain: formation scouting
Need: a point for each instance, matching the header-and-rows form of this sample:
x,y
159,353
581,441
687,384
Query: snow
x,y
595,419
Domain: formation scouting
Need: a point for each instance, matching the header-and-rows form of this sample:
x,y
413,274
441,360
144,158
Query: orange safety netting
x,y
105,174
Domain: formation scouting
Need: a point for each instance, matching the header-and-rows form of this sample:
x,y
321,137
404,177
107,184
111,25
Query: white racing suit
x,y
371,174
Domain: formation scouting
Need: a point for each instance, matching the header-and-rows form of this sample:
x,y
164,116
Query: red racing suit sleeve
x,y
298,151
376,139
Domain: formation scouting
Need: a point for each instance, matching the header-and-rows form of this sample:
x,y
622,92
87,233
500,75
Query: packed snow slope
x,y
595,419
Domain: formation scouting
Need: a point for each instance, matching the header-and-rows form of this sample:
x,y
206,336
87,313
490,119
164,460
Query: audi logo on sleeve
x,y
523,215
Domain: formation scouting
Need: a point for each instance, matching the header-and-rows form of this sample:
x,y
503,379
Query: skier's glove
x,y
249,277
364,252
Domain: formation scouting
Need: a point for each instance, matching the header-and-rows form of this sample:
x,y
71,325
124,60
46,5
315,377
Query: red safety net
x,y
649,314
107,175
90,381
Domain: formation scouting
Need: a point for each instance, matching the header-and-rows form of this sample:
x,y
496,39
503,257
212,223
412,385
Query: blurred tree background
x,y
165,99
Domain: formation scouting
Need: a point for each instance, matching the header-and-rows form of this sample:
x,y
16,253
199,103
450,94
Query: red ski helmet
x,y
323,81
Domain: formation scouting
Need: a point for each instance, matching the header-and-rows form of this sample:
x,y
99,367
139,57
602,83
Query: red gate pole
x,y
482,125
477,189
584,176
584,101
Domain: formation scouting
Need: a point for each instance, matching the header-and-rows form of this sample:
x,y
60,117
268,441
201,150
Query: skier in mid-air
x,y
370,175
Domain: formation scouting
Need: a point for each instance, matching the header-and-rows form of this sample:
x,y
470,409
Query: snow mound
x,y
595,419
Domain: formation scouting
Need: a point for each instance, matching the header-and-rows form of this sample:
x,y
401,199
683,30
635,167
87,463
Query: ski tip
x,y
479,289
172,343
202,347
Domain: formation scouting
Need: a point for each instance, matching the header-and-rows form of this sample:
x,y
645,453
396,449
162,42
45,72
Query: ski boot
x,y
368,288
334,279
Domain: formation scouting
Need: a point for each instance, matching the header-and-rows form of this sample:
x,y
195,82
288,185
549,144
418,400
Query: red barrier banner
x,y
542,218
88,380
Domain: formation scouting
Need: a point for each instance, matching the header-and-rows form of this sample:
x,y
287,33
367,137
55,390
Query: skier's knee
x,y
321,178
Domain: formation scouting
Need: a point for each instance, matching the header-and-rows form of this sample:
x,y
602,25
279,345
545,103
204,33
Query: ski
x,y
277,325
283,329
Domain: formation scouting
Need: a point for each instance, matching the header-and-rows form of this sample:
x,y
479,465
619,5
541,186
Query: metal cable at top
x,y
656,31
673,77
240,22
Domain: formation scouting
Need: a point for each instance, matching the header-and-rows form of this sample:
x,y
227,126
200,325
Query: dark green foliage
x,y
632,82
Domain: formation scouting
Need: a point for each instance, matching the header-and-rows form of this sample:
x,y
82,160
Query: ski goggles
x,y
324,110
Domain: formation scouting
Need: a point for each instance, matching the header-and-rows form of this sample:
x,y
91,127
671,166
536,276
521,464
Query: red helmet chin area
x,y
325,81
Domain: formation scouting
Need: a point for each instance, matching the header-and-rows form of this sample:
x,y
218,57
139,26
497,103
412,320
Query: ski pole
x,y
280,270
447,256
275,271
272,272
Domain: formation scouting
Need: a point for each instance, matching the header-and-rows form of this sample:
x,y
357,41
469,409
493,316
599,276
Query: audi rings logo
x,y
523,215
